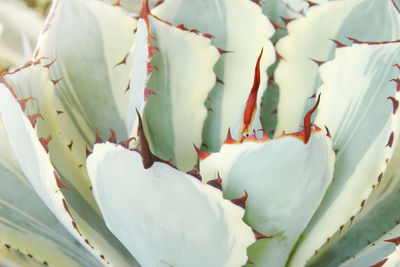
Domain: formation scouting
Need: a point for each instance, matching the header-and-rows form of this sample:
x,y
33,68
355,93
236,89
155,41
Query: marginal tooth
x,y
59,182
286,20
147,93
98,138
123,61
338,44
194,172
202,155
229,139
396,240
49,64
56,81
22,102
150,68
33,118
125,143
277,26
152,49
217,183
395,103
147,156
259,235
88,152
45,142
241,201
113,137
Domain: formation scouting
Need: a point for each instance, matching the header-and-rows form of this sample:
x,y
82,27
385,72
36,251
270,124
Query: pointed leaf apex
x,y
144,10
202,155
147,157
251,104
241,201
306,133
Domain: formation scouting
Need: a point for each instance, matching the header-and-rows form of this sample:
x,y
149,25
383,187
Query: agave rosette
x,y
259,134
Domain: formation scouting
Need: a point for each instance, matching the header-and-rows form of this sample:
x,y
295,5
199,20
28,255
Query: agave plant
x,y
204,133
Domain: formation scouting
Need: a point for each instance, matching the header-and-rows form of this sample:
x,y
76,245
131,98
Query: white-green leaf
x,y
238,26
309,38
11,257
285,180
163,216
384,250
33,82
25,221
89,41
19,28
174,115
364,125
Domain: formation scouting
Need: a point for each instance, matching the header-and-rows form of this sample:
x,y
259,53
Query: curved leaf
x,y
239,28
310,38
164,216
285,180
357,109
89,43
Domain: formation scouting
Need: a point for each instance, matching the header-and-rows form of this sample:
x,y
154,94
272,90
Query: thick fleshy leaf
x,y
310,39
11,257
358,106
163,216
25,221
174,111
130,5
19,28
33,82
239,28
383,251
377,216
89,43
285,180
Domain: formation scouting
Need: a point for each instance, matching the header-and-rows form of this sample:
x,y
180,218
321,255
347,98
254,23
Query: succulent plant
x,y
204,133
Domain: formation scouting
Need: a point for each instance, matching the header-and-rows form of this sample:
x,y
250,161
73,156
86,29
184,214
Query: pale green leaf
x,y
89,41
377,216
25,221
309,38
19,25
163,216
360,117
238,26
285,180
174,115
33,82
11,257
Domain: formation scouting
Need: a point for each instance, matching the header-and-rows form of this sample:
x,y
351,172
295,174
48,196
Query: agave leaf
x,y
130,5
170,127
76,216
229,22
266,167
164,216
12,257
25,221
375,218
382,251
309,39
90,69
17,30
364,126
